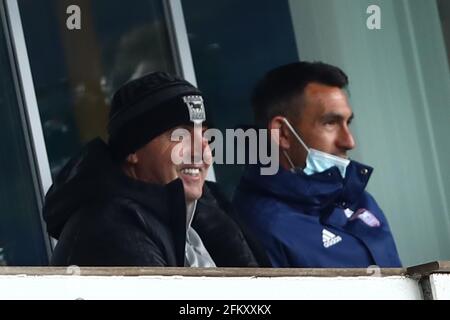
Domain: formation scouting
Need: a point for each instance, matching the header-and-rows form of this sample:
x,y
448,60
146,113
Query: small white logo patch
x,y
196,108
348,213
329,239
367,217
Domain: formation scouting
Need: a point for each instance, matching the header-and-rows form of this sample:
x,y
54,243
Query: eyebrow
x,y
332,116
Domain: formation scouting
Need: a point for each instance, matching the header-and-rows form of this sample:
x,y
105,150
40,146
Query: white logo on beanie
x,y
196,108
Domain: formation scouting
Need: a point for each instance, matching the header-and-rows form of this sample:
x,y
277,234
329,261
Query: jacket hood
x,y
314,192
93,176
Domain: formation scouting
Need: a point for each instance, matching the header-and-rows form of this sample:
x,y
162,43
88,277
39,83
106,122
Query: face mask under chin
x,y
316,161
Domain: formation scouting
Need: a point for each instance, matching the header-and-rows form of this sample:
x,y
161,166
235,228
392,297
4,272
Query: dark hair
x,y
274,92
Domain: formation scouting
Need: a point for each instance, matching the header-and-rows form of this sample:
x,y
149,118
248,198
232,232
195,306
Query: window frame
x,y
27,105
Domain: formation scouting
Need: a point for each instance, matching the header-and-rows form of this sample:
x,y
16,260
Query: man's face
x,y
323,123
153,162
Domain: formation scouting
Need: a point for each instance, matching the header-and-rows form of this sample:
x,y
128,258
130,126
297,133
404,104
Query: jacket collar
x,y
312,193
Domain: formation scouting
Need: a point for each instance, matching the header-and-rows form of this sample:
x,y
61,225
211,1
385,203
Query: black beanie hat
x,y
144,108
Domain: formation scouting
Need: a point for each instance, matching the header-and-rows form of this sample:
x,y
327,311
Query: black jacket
x,y
101,217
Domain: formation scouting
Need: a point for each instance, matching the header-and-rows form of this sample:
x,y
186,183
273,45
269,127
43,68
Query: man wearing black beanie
x,y
127,203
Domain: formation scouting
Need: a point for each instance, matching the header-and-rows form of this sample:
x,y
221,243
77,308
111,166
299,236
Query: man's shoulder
x,y
107,206
111,233
370,200
369,203
118,211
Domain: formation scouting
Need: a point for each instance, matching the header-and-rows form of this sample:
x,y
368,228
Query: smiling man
x,y
126,203
315,211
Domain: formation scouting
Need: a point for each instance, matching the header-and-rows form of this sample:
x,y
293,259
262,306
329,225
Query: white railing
x,y
429,281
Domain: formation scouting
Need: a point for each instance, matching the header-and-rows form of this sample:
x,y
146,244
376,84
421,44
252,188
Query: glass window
x,y
444,13
22,241
233,44
75,71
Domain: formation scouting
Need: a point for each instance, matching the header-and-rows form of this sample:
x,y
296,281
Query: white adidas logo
x,y
329,239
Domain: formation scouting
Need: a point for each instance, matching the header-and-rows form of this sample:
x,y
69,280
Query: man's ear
x,y
283,136
132,158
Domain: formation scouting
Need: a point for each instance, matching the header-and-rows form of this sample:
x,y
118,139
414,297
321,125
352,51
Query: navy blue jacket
x,y
320,220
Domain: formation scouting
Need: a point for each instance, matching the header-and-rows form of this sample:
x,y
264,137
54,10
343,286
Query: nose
x,y
346,140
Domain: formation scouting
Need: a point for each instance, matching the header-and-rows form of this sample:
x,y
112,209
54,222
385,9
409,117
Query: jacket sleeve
x,y
111,235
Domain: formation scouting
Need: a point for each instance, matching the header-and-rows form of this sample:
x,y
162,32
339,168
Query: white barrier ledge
x,y
206,284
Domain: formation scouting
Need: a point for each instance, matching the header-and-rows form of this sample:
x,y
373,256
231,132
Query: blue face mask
x,y
317,161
